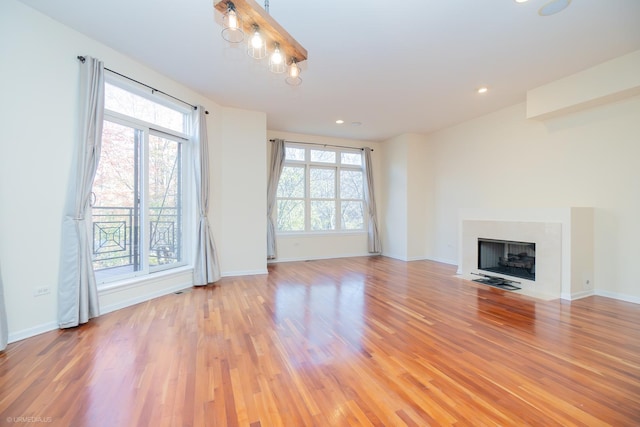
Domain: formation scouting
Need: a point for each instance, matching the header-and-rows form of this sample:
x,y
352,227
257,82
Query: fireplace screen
x,y
505,257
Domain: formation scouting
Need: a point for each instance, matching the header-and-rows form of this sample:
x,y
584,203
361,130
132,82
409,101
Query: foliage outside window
x,y
139,199
321,190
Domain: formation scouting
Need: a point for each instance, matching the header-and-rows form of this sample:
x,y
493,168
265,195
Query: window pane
x,y
323,215
291,182
290,215
115,212
322,183
292,153
323,156
164,201
130,104
350,184
321,197
351,158
352,215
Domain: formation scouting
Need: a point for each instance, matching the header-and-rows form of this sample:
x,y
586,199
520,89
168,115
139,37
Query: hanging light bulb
x,y
294,70
232,19
232,25
293,77
276,58
277,63
257,47
256,40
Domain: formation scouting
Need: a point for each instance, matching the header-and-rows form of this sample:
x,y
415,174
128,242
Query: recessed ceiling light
x,y
521,1
356,123
553,7
483,89
339,122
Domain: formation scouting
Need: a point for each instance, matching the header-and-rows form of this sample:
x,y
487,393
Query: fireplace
x,y
564,247
506,257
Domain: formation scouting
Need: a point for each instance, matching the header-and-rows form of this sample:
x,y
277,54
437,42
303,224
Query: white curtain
x,y
4,328
77,291
275,170
373,241
206,267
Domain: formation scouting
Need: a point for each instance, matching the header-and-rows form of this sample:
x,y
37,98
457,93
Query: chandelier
x,y
247,19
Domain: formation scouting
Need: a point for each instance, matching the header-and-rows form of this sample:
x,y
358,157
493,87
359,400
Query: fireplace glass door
x,y
510,258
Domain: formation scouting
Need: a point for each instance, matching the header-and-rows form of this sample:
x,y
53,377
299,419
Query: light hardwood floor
x,y
359,341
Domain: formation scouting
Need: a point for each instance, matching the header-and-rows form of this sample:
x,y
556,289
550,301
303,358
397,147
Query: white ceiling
x,y
397,67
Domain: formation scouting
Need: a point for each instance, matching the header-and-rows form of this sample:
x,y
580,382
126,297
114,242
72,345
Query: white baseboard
x,y
422,258
143,298
244,273
296,259
394,256
444,260
32,332
576,295
51,326
615,295
146,280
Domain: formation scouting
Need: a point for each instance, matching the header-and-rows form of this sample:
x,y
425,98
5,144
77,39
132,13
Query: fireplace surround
x,y
563,240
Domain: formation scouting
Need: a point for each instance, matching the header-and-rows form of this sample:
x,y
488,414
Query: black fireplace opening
x,y
511,258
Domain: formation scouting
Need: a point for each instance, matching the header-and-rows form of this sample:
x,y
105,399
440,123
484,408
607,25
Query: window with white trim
x,y
321,189
139,197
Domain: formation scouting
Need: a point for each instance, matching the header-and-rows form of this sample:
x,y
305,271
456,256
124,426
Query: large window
x,y
139,196
320,190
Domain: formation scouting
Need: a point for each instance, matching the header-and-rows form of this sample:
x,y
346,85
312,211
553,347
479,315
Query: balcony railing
x,y
116,237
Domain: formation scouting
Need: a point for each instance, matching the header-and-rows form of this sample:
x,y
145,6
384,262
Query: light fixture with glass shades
x,y
264,34
232,25
276,61
257,48
293,75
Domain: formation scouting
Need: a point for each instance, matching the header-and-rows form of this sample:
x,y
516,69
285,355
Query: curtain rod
x,y
322,145
153,90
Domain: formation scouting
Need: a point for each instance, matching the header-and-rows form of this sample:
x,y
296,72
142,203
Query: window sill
x,y
134,282
295,234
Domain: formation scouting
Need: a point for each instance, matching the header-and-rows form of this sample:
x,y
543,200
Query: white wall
x,y
394,203
38,106
326,245
408,208
242,228
604,83
589,158
420,204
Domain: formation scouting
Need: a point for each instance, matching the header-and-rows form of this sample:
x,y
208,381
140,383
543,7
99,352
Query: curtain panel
x,y
77,290
373,236
276,164
4,328
206,268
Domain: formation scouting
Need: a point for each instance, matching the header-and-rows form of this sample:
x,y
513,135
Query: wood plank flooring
x,y
359,341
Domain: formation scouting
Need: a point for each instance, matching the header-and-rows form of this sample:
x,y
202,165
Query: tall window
x,y
139,197
320,190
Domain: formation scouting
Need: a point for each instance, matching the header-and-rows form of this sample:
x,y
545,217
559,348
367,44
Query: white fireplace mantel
x,y
564,246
